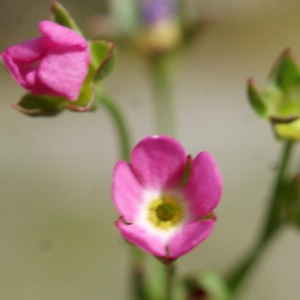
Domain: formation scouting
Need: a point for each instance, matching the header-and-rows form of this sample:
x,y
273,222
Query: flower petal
x,y
191,235
204,185
159,162
62,73
59,35
127,193
22,59
140,237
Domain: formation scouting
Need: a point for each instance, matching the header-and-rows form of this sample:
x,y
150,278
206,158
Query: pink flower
x,y
55,64
165,198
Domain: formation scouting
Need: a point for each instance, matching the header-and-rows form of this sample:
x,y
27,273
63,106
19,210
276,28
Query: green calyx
x,y
280,101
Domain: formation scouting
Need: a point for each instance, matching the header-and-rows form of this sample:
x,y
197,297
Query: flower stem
x,y
170,274
120,124
273,223
163,104
137,257
274,219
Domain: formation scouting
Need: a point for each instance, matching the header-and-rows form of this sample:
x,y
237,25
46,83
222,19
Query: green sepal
x,y
286,74
37,106
103,58
256,99
85,100
187,171
61,16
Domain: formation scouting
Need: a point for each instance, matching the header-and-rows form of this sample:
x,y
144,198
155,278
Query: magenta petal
x,y
204,186
189,237
126,192
62,74
26,52
20,59
159,162
59,35
140,237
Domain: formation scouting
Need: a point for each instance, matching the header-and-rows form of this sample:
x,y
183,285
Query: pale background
x,y
57,235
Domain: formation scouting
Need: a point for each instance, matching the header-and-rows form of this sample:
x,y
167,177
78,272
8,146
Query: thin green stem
x,y
120,125
137,257
138,284
163,104
170,274
274,219
273,223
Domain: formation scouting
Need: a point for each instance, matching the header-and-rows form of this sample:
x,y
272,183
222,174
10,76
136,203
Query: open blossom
x,y
54,64
166,198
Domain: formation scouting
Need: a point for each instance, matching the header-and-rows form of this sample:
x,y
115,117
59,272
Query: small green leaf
x,y
61,16
37,106
286,74
103,58
256,100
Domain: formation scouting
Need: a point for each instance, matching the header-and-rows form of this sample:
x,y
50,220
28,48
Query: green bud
x,y
280,101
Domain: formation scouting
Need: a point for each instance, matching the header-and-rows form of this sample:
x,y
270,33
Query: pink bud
x,y
54,64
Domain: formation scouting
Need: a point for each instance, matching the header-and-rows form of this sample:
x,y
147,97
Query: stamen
x,y
166,212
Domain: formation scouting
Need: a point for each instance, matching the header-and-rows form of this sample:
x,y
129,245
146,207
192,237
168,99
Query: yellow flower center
x,y
165,212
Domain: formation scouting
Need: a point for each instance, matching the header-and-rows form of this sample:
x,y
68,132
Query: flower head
x,y
166,198
54,64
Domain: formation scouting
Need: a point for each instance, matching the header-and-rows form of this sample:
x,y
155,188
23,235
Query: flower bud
x,y
280,101
59,68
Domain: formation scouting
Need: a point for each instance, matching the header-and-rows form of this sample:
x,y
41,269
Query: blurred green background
x,y
58,240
